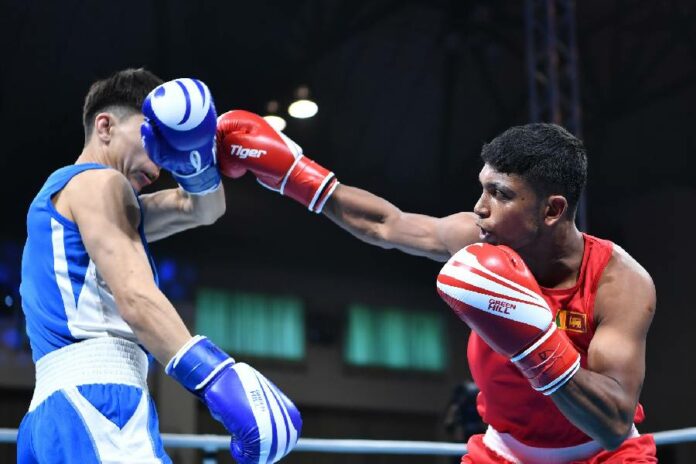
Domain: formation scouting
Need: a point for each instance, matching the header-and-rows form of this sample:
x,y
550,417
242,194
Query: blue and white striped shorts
x,y
91,405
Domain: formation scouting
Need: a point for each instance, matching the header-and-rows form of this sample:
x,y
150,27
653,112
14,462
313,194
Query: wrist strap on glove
x,y
197,362
308,183
550,362
201,182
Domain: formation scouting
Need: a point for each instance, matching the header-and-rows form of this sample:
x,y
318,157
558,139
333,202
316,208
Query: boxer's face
x,y
136,165
509,211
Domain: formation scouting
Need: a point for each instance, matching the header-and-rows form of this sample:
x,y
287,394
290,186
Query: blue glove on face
x,y
179,133
265,425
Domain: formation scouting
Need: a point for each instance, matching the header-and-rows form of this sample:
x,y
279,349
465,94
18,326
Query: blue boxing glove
x,y
179,133
265,425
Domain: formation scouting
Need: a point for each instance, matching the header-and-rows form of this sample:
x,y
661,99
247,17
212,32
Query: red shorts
x,y
639,450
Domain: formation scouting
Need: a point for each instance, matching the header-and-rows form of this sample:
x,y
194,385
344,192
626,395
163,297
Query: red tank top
x,y
507,401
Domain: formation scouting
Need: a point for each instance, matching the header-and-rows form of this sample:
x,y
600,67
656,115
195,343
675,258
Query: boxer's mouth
x,y
143,179
150,177
485,235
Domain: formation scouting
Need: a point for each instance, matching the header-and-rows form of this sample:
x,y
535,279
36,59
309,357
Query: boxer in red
x,y
559,318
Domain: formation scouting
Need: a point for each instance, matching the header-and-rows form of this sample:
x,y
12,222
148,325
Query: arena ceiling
x,y
408,92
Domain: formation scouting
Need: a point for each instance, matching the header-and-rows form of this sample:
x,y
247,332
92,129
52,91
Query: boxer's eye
x,y
500,194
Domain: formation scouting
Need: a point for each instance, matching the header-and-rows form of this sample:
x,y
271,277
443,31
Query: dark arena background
x,y
407,93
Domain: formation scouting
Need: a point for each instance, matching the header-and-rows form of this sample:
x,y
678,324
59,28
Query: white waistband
x,y
97,360
517,452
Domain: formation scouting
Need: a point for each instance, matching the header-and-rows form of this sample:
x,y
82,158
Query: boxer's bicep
x,y
624,309
432,237
106,211
458,231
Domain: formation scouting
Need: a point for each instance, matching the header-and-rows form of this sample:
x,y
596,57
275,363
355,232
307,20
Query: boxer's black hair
x,y
547,156
122,93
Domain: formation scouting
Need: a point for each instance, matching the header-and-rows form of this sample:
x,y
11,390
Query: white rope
x,y
321,445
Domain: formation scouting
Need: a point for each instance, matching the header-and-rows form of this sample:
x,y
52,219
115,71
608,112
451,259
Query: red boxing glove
x,y
494,292
245,141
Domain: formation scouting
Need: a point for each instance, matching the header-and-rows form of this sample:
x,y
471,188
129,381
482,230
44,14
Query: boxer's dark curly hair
x,y
547,156
122,93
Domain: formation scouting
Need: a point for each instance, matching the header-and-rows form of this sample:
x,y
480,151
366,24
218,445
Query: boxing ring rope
x,y
212,443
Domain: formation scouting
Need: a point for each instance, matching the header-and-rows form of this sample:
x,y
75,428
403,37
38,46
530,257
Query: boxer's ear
x,y
103,125
555,208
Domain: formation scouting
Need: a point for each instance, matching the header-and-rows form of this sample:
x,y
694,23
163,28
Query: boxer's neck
x,y
97,152
555,258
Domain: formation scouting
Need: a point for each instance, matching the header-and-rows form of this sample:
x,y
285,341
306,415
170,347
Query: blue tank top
x,y
64,298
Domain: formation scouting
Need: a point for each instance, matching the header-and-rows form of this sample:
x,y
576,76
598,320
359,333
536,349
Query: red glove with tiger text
x,y
246,141
494,292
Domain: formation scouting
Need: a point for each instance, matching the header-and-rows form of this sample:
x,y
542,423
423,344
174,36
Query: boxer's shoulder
x,y
622,269
624,282
97,192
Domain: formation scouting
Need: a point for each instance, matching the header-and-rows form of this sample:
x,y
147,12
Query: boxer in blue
x,y
90,296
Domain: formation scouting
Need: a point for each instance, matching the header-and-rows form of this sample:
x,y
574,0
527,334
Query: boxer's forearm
x,y
171,211
598,406
376,221
206,209
364,215
154,321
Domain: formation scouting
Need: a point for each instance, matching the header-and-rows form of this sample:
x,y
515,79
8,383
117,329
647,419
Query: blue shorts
x,y
85,424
